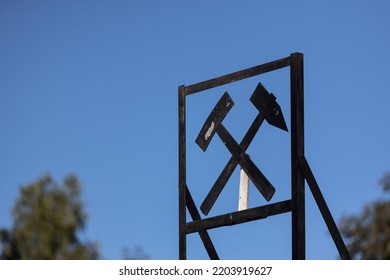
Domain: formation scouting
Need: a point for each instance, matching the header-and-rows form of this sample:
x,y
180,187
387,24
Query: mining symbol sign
x,y
270,111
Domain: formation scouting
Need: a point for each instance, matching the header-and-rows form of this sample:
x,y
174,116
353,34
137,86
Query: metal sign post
x,y
243,191
270,111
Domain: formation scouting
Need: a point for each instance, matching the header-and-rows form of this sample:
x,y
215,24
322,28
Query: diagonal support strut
x,y
208,244
321,203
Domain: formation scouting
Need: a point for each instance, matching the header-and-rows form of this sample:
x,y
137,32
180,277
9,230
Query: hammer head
x,y
266,103
215,118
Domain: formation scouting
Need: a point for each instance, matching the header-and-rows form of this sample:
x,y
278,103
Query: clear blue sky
x,y
90,87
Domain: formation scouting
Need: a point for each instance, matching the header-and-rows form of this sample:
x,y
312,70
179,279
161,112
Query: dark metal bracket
x,y
270,111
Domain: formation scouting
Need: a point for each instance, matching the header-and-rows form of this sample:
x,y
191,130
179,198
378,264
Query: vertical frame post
x,y
182,174
297,152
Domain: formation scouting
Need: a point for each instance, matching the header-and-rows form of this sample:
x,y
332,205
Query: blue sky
x,y
90,87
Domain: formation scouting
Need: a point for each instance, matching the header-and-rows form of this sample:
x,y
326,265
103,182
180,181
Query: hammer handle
x,y
256,176
222,179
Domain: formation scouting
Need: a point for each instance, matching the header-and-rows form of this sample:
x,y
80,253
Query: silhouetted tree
x,y
47,218
137,253
368,234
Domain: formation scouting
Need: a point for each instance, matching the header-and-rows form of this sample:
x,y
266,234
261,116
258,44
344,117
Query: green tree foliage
x,y
368,234
47,218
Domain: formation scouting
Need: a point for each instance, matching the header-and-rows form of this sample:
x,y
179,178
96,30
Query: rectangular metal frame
x,y
300,169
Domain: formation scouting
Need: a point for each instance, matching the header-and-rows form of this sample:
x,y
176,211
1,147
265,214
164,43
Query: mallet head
x,y
215,118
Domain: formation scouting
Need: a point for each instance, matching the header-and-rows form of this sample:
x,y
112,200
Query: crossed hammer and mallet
x,y
270,111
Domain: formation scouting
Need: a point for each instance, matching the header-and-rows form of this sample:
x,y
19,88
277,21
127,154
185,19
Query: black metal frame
x,y
300,170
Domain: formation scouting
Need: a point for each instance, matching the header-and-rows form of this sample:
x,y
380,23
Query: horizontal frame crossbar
x,y
239,217
239,75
